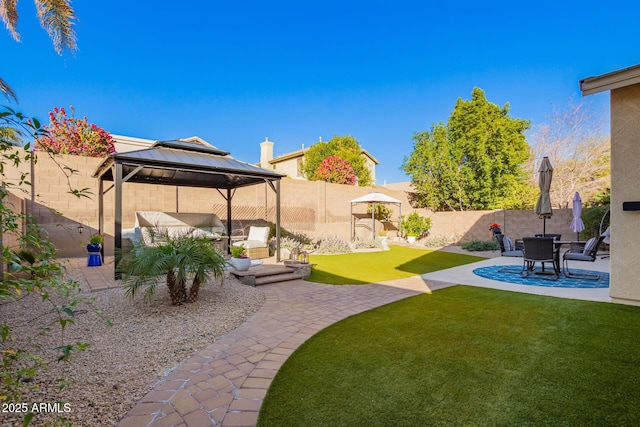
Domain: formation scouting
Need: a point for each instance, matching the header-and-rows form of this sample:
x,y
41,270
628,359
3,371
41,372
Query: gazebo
x,y
182,164
374,198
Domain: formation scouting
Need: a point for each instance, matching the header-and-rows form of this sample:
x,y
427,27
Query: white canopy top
x,y
375,198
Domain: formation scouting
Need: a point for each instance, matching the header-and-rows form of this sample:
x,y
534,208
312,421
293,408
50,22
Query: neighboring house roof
x,y
613,80
300,153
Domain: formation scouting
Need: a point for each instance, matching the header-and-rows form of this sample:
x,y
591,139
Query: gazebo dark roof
x,y
183,164
188,164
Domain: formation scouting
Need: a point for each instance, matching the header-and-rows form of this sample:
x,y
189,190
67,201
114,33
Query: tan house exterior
x,y
624,88
291,163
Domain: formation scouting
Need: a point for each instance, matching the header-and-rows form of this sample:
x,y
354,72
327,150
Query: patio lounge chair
x,y
509,249
582,251
539,249
256,243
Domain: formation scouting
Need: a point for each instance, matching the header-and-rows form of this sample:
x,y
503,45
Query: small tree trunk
x,y
195,289
177,291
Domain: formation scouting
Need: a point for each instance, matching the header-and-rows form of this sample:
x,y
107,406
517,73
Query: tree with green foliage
x,y
345,147
472,162
32,271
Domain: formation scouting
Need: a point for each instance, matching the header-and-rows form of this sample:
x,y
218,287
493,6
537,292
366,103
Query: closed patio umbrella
x,y
576,224
543,207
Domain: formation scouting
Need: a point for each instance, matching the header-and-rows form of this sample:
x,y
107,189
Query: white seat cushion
x,y
260,234
251,244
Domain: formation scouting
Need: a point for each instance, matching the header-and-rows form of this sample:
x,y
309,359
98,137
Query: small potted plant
x,y
495,228
415,226
94,246
239,259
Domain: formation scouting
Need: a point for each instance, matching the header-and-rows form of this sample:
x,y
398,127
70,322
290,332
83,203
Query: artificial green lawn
x,y
466,356
370,267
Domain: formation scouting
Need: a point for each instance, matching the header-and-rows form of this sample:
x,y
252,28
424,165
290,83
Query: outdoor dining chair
x,y
539,249
582,251
508,249
554,236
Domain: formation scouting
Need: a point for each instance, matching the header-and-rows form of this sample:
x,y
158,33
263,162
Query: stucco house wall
x,y
624,88
625,186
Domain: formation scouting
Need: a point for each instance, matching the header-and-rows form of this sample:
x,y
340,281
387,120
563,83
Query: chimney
x,y
266,154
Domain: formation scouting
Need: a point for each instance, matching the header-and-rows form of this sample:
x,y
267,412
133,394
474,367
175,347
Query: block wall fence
x,y
315,208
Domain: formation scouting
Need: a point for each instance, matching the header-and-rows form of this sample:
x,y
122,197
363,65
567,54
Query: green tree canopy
x,y
472,162
345,147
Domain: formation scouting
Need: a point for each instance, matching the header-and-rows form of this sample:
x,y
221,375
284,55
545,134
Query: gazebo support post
x,y
229,228
117,229
351,230
278,220
373,220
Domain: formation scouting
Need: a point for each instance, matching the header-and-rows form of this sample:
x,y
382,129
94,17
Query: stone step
x,y
270,270
274,278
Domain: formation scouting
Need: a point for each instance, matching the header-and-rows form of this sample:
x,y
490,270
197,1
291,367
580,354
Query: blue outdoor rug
x,y
492,273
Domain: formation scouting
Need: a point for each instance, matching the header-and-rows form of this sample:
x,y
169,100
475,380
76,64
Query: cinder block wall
x,y
315,208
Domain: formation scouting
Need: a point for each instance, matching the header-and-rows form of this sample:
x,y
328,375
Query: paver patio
x,y
225,383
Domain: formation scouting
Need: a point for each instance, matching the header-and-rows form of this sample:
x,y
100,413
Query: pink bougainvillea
x,y
336,170
70,135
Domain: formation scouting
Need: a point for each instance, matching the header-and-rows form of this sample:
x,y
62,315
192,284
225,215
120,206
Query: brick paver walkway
x,y
225,383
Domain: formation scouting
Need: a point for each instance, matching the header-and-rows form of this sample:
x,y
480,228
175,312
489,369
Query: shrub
x,y
333,245
369,244
435,242
479,245
380,212
591,217
336,170
96,239
70,135
289,243
415,224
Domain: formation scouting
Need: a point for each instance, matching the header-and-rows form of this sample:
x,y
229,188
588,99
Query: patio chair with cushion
x,y
509,249
539,249
582,251
256,243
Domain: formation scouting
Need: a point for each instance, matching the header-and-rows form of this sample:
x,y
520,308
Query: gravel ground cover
x,y
146,341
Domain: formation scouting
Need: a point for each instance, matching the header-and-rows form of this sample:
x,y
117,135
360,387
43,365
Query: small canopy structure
x,y
374,199
181,164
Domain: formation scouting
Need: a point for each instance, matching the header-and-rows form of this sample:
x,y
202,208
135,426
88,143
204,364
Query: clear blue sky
x,y
234,73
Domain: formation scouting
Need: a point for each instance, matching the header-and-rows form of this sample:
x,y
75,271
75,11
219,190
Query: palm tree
x,y
10,135
179,259
56,17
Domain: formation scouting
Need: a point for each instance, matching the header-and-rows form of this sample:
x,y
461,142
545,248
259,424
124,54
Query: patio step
x,y
265,274
275,278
